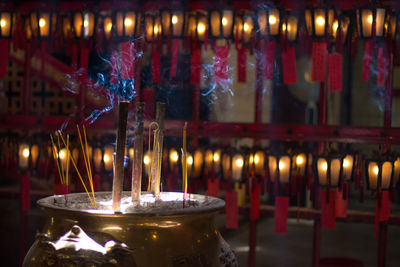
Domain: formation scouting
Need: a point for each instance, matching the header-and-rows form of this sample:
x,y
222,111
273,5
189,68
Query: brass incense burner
x,y
167,237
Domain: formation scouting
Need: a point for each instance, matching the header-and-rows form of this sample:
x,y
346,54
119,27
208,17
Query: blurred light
x,y
239,162
335,26
190,160
256,159
3,23
324,166
106,158
174,19
61,154
174,156
25,152
246,27
42,23
320,21
376,170
370,20
146,160
272,19
128,22
224,21
216,157
299,160
281,165
201,28
345,163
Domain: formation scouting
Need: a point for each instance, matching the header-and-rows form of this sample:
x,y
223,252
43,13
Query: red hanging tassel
x,y
4,48
255,202
269,60
335,72
328,208
382,211
281,215
368,46
114,68
231,210
241,65
341,201
380,77
318,61
127,60
155,66
25,193
221,67
289,66
195,68
174,58
213,188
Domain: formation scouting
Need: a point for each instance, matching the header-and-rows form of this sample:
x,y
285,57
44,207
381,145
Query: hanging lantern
x,y
98,159
396,171
366,17
268,22
221,23
127,23
108,158
198,163
67,26
300,164
42,23
196,25
173,22
6,24
290,27
340,24
237,164
394,24
329,170
244,26
280,167
107,27
212,159
319,21
153,27
379,174
173,159
257,162
24,156
348,166
84,24
189,164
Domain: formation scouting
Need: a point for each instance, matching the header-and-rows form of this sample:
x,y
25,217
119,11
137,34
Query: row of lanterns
x,y
225,23
330,170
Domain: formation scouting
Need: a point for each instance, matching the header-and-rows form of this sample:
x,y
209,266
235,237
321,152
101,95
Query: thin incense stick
x,y
184,161
89,165
156,170
56,158
119,159
137,154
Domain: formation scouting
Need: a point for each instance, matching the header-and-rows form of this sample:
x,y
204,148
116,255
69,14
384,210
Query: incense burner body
x,y
184,237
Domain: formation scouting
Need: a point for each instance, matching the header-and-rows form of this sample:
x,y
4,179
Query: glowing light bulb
x,y
320,21
246,27
335,26
369,19
239,163
128,22
174,156
283,27
146,160
156,29
106,158
324,166
224,21
85,23
25,152
42,22
376,170
272,19
256,159
281,165
299,160
174,19
201,28
3,23
61,154
216,157
190,160
109,27
346,163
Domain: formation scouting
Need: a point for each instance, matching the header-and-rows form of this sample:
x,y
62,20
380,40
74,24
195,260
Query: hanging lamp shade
x,y
6,24
173,22
366,17
83,24
290,26
244,25
153,28
379,174
127,24
268,21
107,26
329,170
221,22
348,166
319,21
108,158
198,163
24,155
42,23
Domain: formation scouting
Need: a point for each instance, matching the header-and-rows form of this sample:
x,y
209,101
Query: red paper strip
x,y
25,193
84,61
368,46
221,64
213,188
231,210
318,61
335,72
195,69
255,202
4,47
340,203
114,68
281,215
328,209
174,57
127,60
384,211
241,69
380,76
61,189
289,66
269,60
155,66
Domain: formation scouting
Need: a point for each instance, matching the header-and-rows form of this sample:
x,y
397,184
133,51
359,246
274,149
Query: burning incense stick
x,y
184,163
152,155
120,153
137,154
156,169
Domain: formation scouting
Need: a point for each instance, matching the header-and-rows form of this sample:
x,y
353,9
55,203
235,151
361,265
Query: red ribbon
x,y
114,68
231,210
127,60
4,48
213,188
255,202
269,60
25,193
368,46
380,77
382,211
195,69
221,64
155,66
318,61
174,57
241,69
289,66
335,72
281,215
328,209
341,202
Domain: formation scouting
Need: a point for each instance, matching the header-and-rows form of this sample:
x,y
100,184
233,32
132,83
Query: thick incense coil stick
x,y
156,170
137,154
120,153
